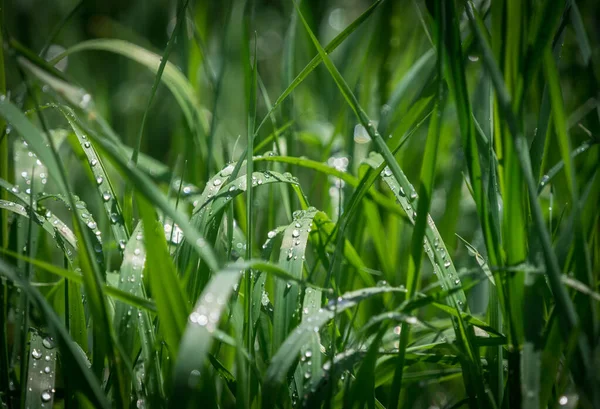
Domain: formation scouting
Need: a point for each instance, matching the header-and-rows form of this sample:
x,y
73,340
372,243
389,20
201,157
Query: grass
x,y
299,204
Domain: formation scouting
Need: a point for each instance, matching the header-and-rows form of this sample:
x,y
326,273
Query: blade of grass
x,y
566,311
287,354
291,259
167,291
41,372
199,334
314,63
71,358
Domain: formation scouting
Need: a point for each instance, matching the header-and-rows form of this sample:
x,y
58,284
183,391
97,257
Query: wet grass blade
x,y
71,358
288,352
41,371
34,138
102,181
291,258
198,336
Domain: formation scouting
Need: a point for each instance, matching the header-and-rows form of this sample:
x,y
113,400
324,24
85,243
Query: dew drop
x,y
46,396
48,342
194,378
36,353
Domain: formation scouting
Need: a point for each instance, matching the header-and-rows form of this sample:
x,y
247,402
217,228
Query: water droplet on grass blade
x,y
46,396
48,342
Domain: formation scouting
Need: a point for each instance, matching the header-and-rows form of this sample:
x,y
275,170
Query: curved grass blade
x,y
288,353
148,189
77,278
71,357
198,335
373,194
179,86
49,222
547,178
210,208
240,185
105,189
35,140
41,372
86,217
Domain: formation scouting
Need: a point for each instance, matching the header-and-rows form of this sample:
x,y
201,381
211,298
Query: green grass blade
x,y
41,372
71,358
166,288
49,222
34,138
582,38
102,181
314,63
77,278
565,309
373,194
133,324
291,259
147,188
199,334
288,353
179,86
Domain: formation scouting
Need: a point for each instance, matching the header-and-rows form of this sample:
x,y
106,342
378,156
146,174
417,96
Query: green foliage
x,y
170,236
